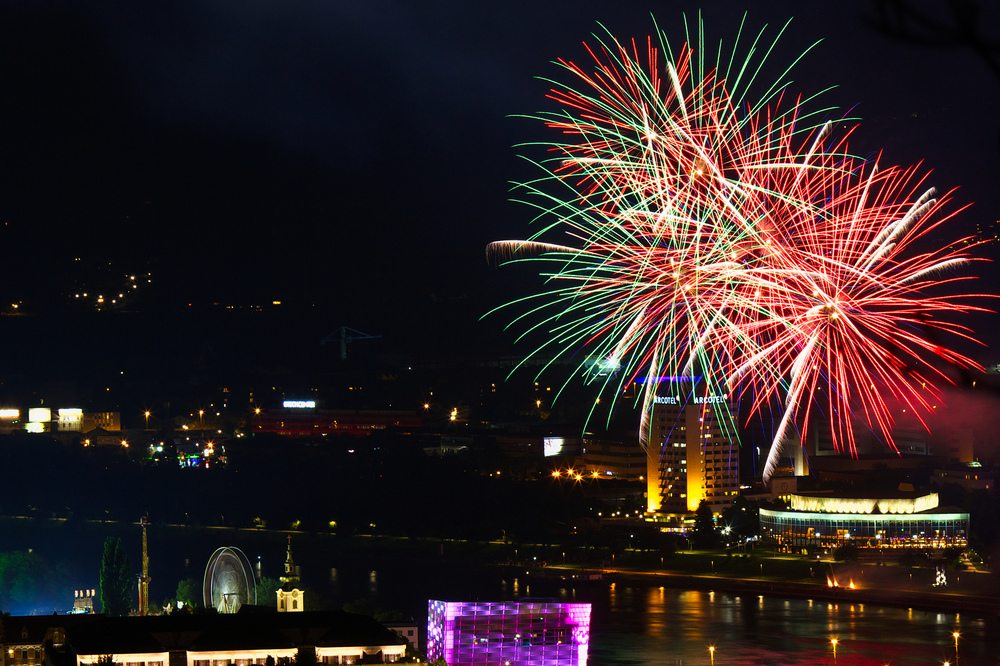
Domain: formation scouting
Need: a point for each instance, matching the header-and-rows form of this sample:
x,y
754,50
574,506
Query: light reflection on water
x,y
654,625
635,623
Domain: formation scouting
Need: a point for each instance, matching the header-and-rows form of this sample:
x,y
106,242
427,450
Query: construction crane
x,y
144,579
345,335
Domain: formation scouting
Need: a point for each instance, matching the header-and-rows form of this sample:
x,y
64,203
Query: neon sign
x,y
299,404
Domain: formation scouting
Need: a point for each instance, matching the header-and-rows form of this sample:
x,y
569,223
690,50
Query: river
x,y
638,623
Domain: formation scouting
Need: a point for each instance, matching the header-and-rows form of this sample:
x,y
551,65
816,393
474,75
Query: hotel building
x,y
693,450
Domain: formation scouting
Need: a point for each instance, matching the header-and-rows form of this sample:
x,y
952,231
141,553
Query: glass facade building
x,y
508,633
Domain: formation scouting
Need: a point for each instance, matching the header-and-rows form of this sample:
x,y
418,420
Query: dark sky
x,y
355,156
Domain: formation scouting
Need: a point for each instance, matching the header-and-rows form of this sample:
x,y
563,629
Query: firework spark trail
x,y
736,237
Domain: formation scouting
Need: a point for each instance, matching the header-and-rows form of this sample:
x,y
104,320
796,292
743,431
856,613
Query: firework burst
x,y
686,227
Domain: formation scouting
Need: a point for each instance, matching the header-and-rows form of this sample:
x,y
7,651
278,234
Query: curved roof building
x,y
900,520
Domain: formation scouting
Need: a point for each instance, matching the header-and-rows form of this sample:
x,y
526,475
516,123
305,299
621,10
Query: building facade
x,y
609,458
508,633
906,520
290,598
693,450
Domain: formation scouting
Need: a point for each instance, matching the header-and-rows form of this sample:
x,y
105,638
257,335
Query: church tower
x,y
290,597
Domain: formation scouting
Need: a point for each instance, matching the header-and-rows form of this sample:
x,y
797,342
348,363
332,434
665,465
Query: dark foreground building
x,y
246,638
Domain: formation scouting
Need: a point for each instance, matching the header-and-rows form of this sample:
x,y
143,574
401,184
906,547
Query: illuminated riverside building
x,y
42,419
907,520
508,633
693,451
303,418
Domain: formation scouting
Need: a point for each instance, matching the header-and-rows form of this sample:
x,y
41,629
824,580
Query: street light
x,y
833,642
711,654
955,635
146,413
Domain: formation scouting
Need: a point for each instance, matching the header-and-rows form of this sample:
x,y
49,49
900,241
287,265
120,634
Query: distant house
x,y
408,630
102,437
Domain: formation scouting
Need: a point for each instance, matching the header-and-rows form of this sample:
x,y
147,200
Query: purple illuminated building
x,y
529,633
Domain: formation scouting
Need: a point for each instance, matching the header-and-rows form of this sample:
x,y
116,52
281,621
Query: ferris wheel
x,y
229,581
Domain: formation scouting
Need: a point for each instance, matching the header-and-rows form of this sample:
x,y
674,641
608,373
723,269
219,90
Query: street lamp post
x,y
955,635
146,413
833,642
711,654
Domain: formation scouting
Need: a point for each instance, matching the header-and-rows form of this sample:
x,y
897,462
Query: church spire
x,y
289,576
290,597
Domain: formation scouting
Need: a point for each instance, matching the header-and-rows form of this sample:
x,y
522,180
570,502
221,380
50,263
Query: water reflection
x,y
636,623
653,625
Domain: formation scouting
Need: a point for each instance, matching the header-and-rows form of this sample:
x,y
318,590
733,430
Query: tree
x,y
116,579
742,517
305,656
20,579
267,591
189,592
846,553
704,526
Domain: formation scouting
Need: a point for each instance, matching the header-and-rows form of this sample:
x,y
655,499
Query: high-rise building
x,y
692,452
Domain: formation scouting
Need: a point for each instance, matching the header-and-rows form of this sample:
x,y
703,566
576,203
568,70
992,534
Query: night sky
x,y
354,157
